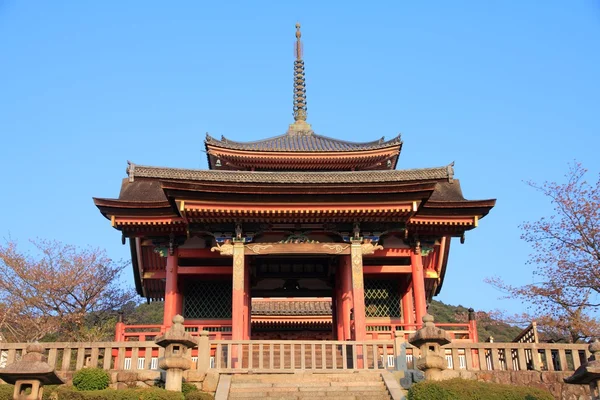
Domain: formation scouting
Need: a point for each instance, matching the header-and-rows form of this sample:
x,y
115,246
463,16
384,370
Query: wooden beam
x,y
296,248
197,253
387,269
205,270
390,253
154,275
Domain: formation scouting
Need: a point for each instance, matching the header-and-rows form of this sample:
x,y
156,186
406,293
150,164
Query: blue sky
x,y
508,90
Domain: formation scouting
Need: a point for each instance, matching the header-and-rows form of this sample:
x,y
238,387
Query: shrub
x,y
460,389
187,388
91,379
6,392
68,393
160,394
198,395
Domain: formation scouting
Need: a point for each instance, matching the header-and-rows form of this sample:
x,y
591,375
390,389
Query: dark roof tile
x,y
301,142
407,175
291,307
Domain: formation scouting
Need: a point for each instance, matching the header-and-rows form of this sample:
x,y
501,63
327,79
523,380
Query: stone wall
x,y
552,381
128,379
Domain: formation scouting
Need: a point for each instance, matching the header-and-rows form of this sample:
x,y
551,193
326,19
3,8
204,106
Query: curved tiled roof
x,y
291,307
292,177
301,142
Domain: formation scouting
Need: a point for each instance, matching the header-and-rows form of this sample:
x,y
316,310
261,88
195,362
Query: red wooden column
x,y
172,295
408,306
358,290
418,284
334,317
238,321
247,302
346,297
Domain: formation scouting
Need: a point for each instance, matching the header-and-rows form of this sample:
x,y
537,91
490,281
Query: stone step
x,y
308,376
305,387
330,396
321,395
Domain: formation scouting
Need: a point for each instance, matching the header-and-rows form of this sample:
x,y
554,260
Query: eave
x,y
257,160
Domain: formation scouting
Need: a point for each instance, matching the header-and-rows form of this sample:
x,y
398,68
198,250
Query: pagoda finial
x,y
300,124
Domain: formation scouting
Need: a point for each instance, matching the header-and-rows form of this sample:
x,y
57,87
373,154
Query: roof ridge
x,y
406,175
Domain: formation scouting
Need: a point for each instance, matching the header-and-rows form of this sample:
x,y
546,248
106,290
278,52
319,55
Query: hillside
x,y
486,326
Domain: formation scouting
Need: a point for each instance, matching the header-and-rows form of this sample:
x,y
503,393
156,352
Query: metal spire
x,y
299,89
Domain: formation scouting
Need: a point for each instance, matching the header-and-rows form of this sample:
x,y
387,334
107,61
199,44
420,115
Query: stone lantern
x,y
589,373
429,340
176,342
31,372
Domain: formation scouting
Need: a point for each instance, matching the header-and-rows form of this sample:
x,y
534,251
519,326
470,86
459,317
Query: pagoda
x,y
295,236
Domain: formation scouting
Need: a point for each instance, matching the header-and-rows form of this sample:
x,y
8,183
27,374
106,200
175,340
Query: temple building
x,y
295,236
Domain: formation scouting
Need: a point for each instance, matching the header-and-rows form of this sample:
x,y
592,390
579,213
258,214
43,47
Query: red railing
x,y
218,330
377,329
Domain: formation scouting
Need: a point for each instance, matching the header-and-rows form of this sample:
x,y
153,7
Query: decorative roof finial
x,y
299,89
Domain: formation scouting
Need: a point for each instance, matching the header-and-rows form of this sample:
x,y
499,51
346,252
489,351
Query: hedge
x,y
461,389
91,379
69,393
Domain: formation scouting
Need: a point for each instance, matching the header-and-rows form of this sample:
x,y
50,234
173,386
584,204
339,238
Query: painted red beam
x,y
390,253
387,269
205,270
197,253
190,271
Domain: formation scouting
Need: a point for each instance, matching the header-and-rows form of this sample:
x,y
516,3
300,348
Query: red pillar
x,y
346,294
172,295
247,303
358,290
408,305
237,296
334,325
418,283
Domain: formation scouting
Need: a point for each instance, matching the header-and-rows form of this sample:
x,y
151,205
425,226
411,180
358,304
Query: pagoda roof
x,y
302,142
291,177
302,150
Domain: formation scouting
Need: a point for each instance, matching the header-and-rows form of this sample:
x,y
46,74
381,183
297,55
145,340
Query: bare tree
x,y
55,290
565,297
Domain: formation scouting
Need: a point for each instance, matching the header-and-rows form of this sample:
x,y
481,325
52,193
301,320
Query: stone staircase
x,y
343,386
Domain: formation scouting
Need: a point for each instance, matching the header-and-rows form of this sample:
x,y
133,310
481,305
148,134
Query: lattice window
x,y
382,298
207,300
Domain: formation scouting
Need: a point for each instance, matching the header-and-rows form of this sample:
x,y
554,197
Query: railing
x,y
222,355
385,328
218,330
292,355
107,355
516,356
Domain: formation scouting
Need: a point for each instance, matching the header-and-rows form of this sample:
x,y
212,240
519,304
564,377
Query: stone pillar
x,y
203,352
430,340
400,351
418,284
237,295
358,290
171,289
